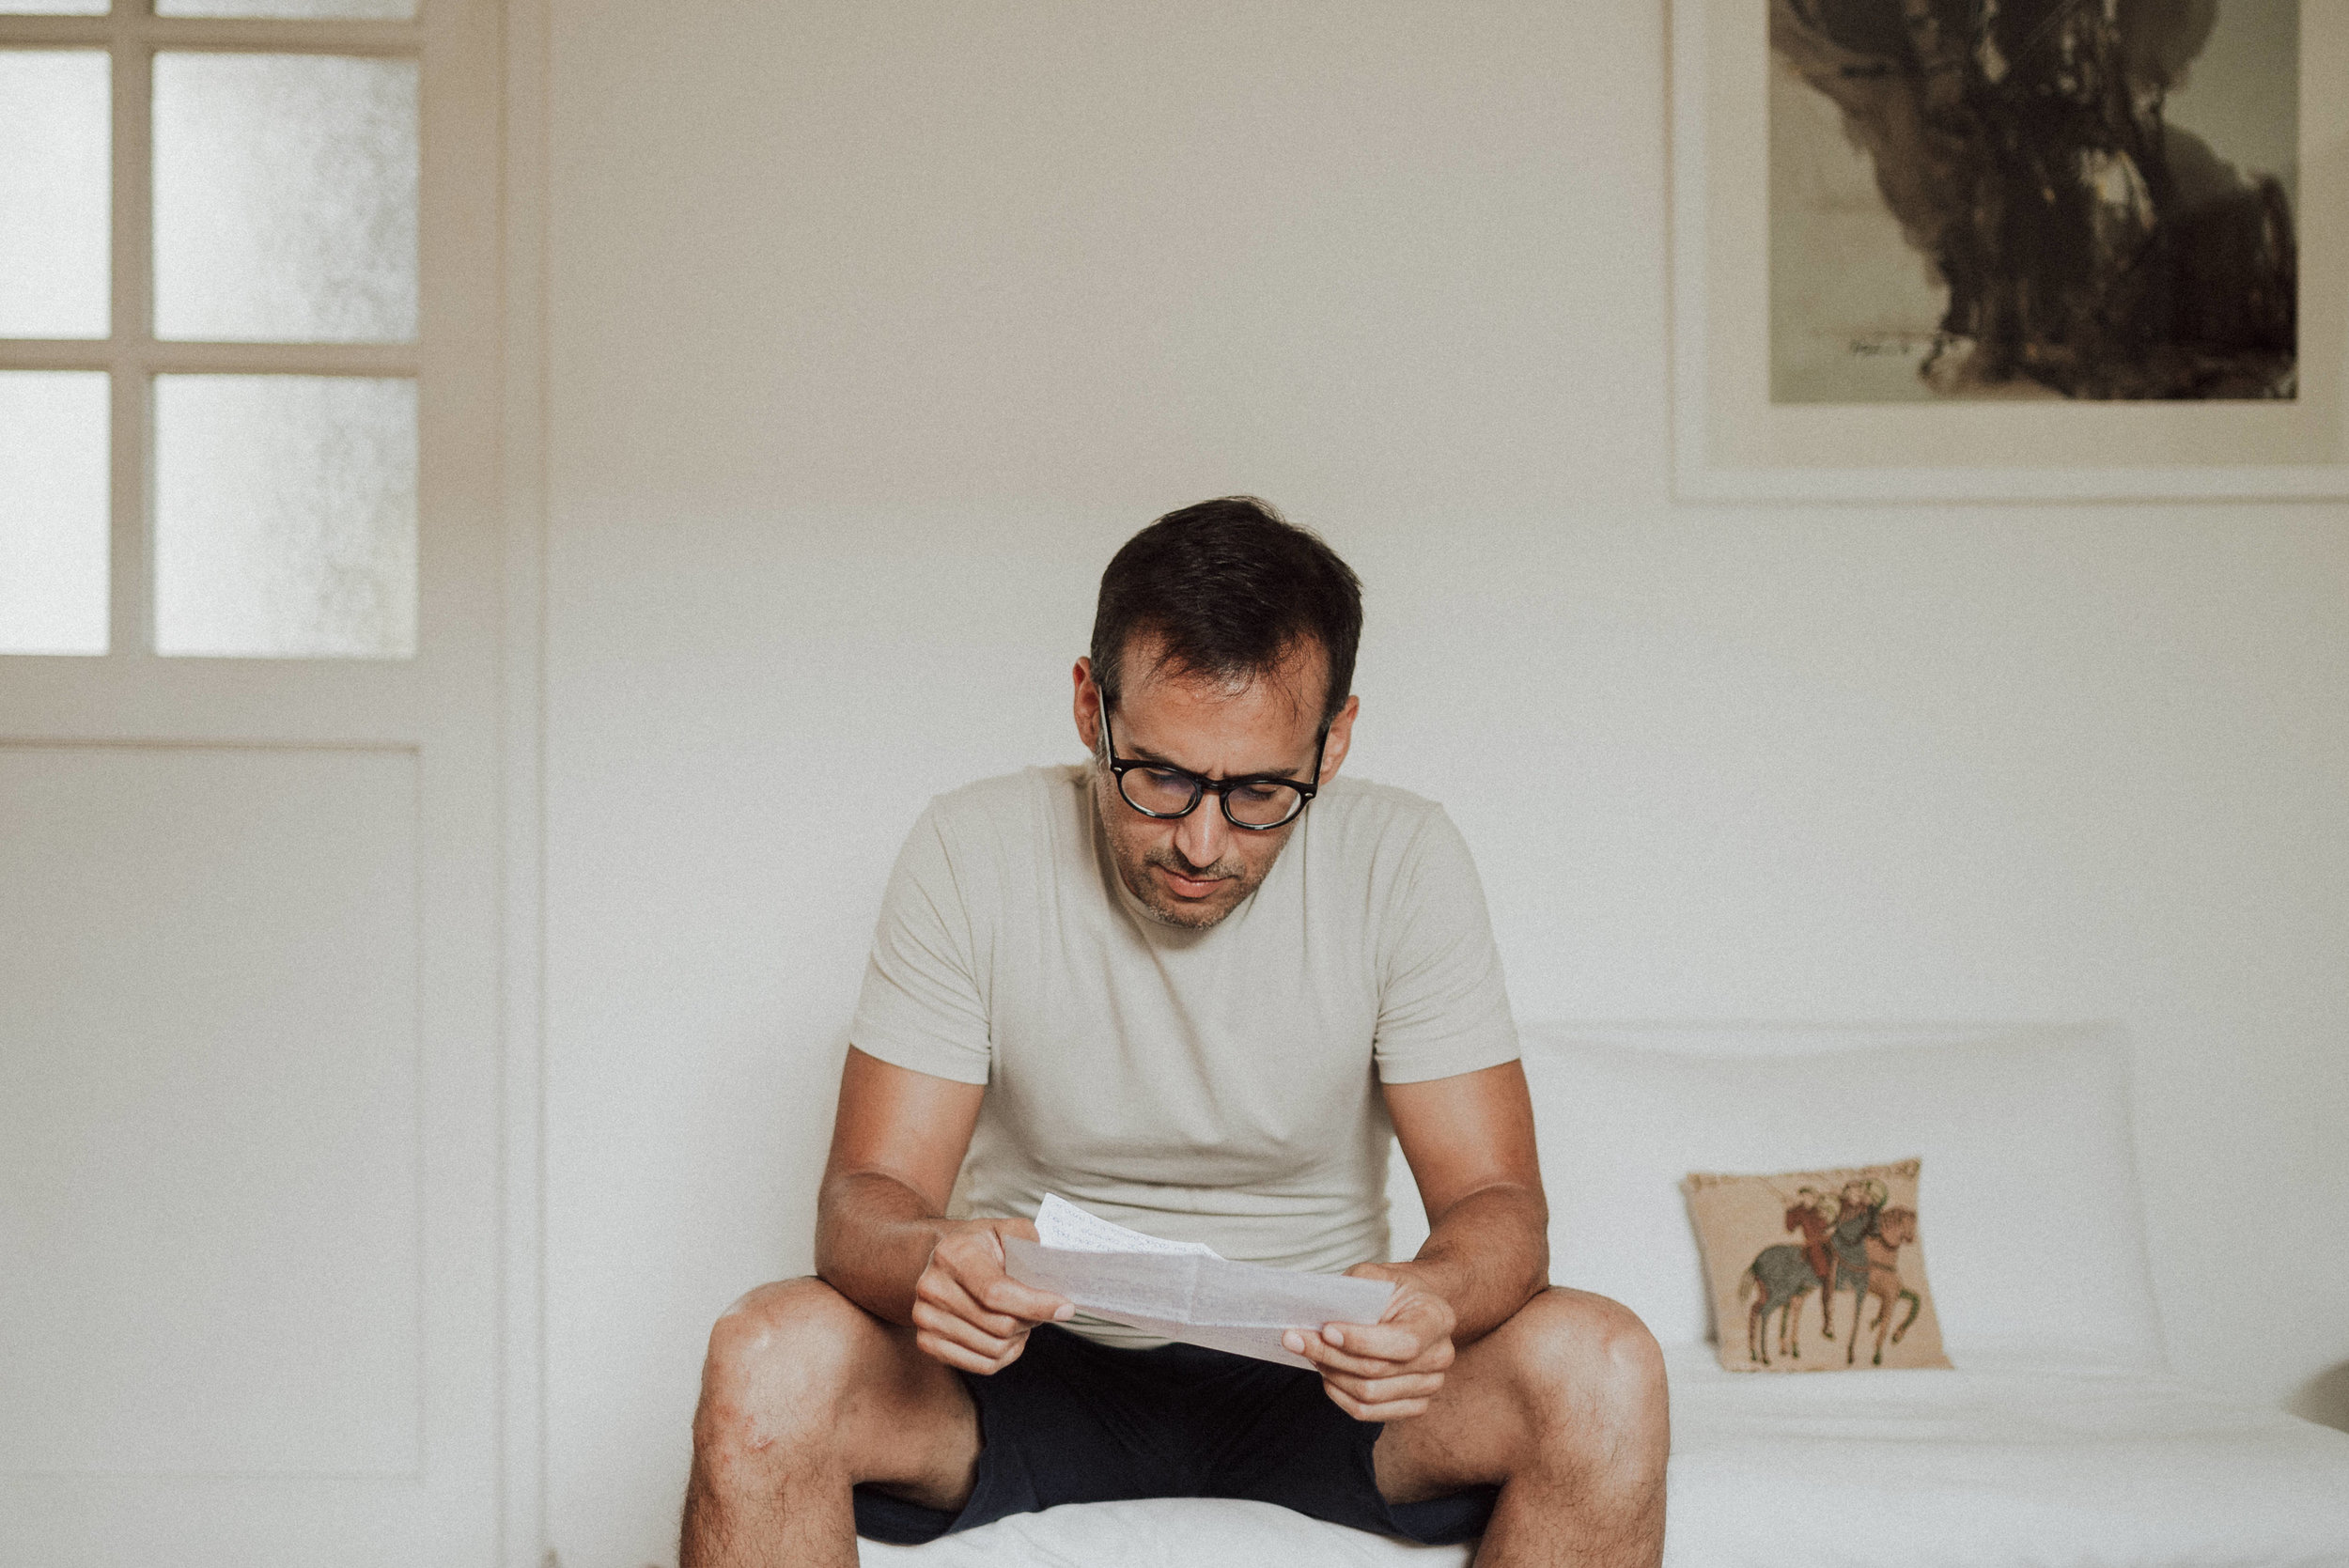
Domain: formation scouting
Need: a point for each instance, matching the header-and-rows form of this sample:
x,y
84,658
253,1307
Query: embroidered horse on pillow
x,y
1854,1240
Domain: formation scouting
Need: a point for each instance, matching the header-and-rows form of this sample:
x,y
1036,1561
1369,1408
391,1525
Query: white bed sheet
x,y
2005,1466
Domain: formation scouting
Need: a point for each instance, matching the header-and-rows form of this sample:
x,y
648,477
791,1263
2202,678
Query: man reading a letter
x,y
1193,984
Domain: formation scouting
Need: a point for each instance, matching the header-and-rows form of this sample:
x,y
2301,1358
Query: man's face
x,y
1192,871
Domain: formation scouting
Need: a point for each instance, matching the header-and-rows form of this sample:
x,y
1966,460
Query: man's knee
x,y
1588,1365
780,1361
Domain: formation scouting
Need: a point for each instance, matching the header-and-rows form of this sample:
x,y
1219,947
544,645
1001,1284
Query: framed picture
x,y
2010,248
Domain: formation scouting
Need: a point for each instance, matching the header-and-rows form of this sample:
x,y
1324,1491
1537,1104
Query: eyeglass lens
x,y
1162,792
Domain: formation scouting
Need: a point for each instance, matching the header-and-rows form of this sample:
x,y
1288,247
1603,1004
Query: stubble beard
x,y
1200,916
1151,895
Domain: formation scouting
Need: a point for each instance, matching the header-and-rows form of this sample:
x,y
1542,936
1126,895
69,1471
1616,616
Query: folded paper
x,y
1183,1290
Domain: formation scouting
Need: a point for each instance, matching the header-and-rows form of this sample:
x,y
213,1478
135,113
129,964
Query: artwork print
x,y
2057,199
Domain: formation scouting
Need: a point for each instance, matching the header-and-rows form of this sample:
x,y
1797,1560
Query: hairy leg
x,y
1563,1407
805,1394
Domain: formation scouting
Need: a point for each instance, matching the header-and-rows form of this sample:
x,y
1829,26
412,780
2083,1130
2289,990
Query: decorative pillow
x,y
1816,1270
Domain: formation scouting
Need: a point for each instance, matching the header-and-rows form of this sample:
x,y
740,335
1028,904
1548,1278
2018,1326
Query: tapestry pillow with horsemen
x,y
1816,1270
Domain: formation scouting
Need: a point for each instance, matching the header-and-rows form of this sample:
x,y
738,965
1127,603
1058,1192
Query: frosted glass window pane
x,y
396,11
56,140
285,198
52,511
284,515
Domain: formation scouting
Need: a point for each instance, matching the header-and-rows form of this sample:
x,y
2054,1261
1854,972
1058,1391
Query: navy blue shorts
x,y
1076,1421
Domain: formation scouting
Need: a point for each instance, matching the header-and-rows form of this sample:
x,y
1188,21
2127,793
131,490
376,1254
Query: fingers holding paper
x,y
969,1313
1389,1370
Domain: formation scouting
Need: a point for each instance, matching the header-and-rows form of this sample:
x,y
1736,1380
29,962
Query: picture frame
x,y
1731,442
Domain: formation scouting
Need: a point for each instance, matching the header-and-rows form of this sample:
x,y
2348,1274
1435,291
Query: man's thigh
x,y
1549,1366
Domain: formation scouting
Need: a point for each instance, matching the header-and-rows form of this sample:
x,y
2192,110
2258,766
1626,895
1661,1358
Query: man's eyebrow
x,y
1144,753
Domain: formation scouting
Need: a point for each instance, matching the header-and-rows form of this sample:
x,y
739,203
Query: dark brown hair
x,y
1228,589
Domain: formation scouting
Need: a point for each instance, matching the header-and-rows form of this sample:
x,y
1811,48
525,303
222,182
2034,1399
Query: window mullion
x,y
174,357
57,32
131,571
56,353
272,35
276,34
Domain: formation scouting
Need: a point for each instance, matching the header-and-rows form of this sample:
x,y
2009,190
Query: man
x,y
1190,986
1862,1202
1814,1213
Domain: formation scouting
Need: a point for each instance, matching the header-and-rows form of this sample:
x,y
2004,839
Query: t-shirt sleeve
x,y
924,1007
1443,1006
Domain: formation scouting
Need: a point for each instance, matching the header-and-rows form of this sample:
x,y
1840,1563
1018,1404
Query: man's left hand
x,y
1389,1370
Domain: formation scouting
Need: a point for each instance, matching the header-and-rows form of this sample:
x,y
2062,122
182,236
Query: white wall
x,y
877,326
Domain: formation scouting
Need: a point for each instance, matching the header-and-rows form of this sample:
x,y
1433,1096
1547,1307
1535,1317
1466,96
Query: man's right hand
x,y
969,1313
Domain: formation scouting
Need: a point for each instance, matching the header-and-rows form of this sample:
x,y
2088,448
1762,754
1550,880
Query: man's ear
x,y
1088,706
1341,740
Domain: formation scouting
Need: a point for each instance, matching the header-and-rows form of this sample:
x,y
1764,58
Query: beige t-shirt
x,y
1213,1085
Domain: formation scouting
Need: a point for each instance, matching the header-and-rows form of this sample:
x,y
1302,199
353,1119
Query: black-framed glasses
x,y
1256,801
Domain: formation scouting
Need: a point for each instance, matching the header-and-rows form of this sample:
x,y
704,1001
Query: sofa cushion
x,y
2029,1180
1783,1252
1997,1465
1162,1532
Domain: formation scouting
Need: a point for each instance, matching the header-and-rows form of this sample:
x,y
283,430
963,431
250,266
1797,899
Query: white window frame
x,y
455,362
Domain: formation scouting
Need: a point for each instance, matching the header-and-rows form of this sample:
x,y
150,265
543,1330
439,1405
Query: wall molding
x,y
521,1489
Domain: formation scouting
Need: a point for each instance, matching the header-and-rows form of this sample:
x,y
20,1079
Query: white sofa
x,y
2060,1437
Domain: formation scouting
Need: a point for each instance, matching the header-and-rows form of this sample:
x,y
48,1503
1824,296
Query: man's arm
x,y
882,1239
1469,1143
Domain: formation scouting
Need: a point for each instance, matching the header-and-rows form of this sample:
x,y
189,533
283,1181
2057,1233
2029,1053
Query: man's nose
x,y
1203,835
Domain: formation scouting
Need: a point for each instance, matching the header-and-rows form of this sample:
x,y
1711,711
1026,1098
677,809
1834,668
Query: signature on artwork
x,y
1890,345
